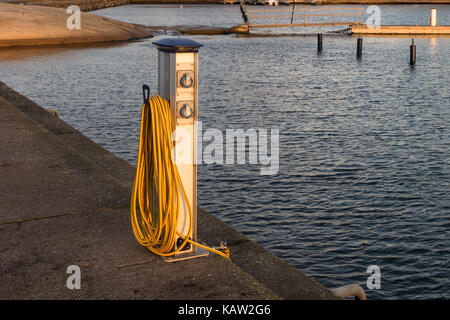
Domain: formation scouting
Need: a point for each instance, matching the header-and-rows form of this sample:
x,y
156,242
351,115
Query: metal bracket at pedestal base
x,y
185,256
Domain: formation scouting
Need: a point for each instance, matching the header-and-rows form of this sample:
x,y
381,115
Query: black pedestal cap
x,y
177,45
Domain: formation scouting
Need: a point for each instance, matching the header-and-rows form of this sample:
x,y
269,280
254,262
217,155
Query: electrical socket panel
x,y
185,93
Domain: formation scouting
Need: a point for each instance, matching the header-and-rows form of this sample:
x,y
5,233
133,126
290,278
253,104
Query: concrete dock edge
x,y
36,245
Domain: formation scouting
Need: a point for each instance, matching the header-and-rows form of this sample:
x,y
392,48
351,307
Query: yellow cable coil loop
x,y
156,171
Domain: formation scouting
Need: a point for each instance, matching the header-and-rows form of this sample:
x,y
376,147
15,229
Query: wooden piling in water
x,y
412,53
359,47
319,41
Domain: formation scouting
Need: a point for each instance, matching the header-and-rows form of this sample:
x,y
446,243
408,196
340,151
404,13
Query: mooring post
x,y
412,53
359,47
433,19
319,40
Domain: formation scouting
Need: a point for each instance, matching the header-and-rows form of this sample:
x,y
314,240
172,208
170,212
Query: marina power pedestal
x,y
178,83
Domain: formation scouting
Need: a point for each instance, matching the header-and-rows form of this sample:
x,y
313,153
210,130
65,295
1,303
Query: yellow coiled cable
x,y
156,172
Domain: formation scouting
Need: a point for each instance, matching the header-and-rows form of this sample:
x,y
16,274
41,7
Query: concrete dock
x,y
64,200
402,30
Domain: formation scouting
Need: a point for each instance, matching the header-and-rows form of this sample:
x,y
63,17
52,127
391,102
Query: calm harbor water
x,y
364,144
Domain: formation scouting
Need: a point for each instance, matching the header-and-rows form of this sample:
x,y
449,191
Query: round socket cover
x,y
186,111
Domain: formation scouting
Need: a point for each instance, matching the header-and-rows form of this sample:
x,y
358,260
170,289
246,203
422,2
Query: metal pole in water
x,y
292,15
412,53
359,47
243,11
319,41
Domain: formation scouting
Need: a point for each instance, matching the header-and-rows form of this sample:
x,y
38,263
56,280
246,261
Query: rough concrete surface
x,y
64,200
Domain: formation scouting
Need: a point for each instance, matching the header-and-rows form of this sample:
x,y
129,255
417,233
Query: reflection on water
x,y
61,51
364,158
433,44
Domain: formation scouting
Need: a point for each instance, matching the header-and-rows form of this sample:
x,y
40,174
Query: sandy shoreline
x,y
23,25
